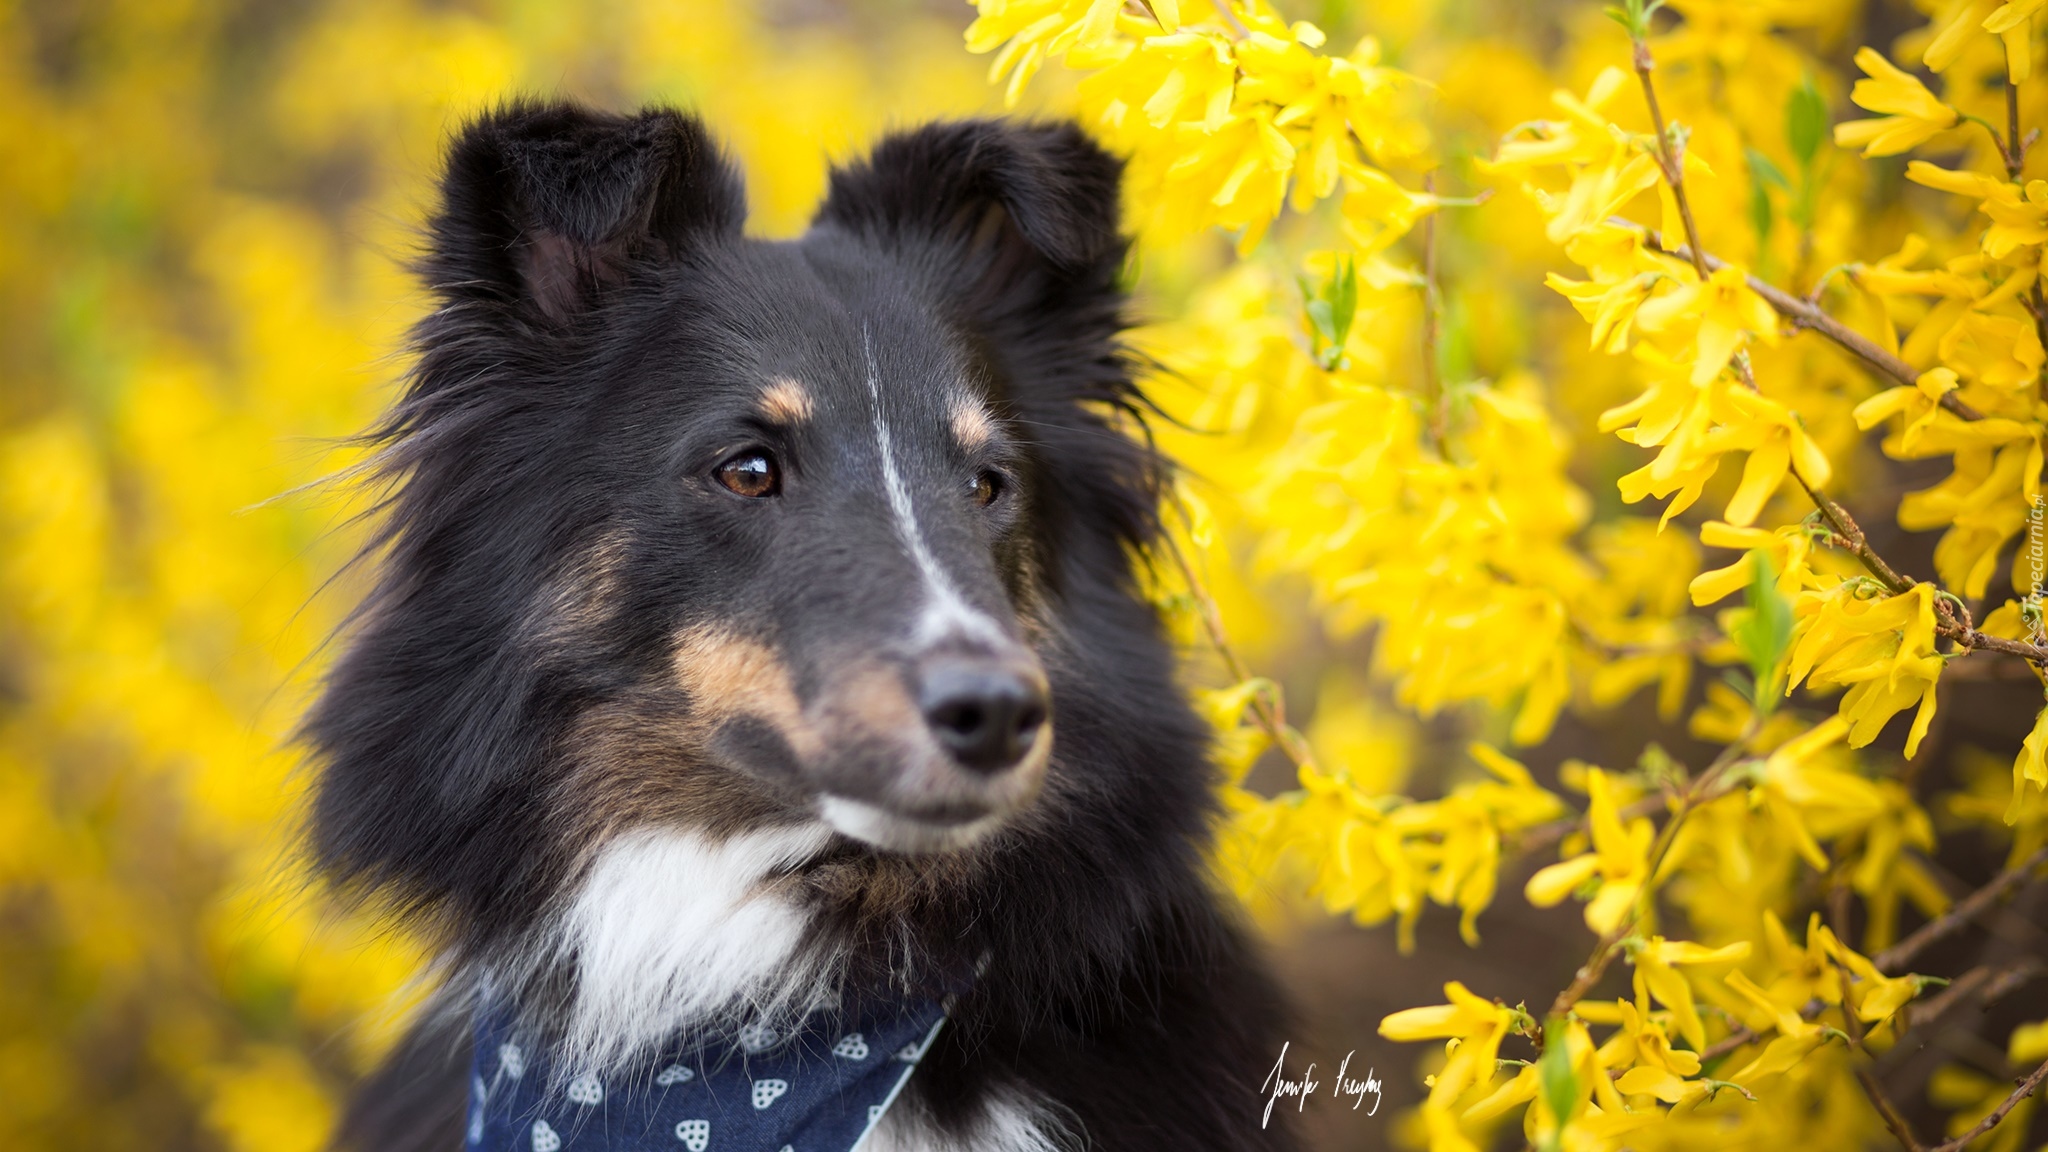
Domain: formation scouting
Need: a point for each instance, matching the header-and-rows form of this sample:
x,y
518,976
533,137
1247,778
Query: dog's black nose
x,y
986,714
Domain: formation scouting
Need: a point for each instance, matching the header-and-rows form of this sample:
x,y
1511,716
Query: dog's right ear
x,y
545,207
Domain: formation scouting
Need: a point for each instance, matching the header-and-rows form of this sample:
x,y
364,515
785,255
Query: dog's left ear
x,y
996,201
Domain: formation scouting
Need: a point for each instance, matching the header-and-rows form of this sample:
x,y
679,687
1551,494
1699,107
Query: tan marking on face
x,y
579,598
972,425
728,676
639,761
785,401
872,698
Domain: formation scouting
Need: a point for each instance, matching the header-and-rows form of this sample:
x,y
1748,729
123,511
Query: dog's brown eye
x,y
751,474
987,487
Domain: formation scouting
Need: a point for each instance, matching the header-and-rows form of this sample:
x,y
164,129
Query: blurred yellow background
x,y
205,213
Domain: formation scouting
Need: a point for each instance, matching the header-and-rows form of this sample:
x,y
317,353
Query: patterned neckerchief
x,y
818,1087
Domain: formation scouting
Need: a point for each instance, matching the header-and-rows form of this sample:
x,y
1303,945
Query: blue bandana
x,y
816,1088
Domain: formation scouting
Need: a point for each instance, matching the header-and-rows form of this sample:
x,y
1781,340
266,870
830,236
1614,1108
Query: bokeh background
x,y
206,209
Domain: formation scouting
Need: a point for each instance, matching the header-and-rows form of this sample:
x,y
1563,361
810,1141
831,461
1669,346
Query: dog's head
x,y
692,528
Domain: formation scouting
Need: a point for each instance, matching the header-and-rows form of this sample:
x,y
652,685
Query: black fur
x,y
598,309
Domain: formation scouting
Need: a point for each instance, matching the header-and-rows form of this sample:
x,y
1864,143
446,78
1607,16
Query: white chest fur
x,y
674,928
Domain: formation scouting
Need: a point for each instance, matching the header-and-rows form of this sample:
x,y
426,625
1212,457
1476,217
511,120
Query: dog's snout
x,y
985,713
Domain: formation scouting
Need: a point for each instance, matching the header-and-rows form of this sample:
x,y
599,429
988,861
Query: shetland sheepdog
x,y
755,626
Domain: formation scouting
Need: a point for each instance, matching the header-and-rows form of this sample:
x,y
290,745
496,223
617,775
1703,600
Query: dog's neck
x,y
675,930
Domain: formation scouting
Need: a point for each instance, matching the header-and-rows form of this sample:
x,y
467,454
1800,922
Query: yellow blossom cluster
x,y
1371,405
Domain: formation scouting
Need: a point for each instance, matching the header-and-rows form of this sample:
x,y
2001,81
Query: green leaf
x,y
1761,214
1763,633
1634,15
1761,170
1557,1080
1806,122
1331,307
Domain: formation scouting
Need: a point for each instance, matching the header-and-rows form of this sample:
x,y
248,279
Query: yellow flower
x,y
2013,23
1996,351
1620,860
1610,307
1796,1038
1585,136
2031,767
2019,216
1726,311
1963,19
1656,975
1920,403
1915,116
1654,1066
1881,649
1475,1029
1788,549
1875,995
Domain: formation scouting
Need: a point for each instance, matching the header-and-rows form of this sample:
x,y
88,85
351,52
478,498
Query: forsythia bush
x,y
1760,290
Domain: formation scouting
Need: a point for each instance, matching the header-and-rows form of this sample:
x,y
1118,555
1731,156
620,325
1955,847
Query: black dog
x,y
756,631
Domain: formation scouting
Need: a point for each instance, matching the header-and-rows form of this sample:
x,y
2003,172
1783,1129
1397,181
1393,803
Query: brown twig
x,y
1886,1110
1849,536
1966,910
1670,159
1852,1025
1951,621
2027,1087
1432,312
1269,708
2015,152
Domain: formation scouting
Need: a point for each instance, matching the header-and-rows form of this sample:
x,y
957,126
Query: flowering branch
x,y
1269,707
1811,317
1892,959
1804,314
1608,947
1879,1100
1432,320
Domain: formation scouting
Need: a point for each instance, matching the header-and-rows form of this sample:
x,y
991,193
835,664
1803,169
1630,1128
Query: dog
x,y
756,633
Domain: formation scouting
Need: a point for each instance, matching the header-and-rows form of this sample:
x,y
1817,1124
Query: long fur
x,y
521,749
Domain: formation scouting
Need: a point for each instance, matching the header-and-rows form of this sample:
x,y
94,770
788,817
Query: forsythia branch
x,y
2027,1087
1268,708
1969,908
1887,1110
1810,316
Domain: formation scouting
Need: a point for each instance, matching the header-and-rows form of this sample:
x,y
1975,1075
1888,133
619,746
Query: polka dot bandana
x,y
818,1087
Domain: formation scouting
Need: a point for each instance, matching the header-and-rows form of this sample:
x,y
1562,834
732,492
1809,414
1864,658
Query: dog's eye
x,y
988,487
751,474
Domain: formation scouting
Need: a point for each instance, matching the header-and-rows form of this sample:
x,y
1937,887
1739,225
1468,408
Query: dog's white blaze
x,y
1010,1121
672,929
945,612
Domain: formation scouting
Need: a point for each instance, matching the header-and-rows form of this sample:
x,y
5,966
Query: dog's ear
x,y
998,199
546,206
